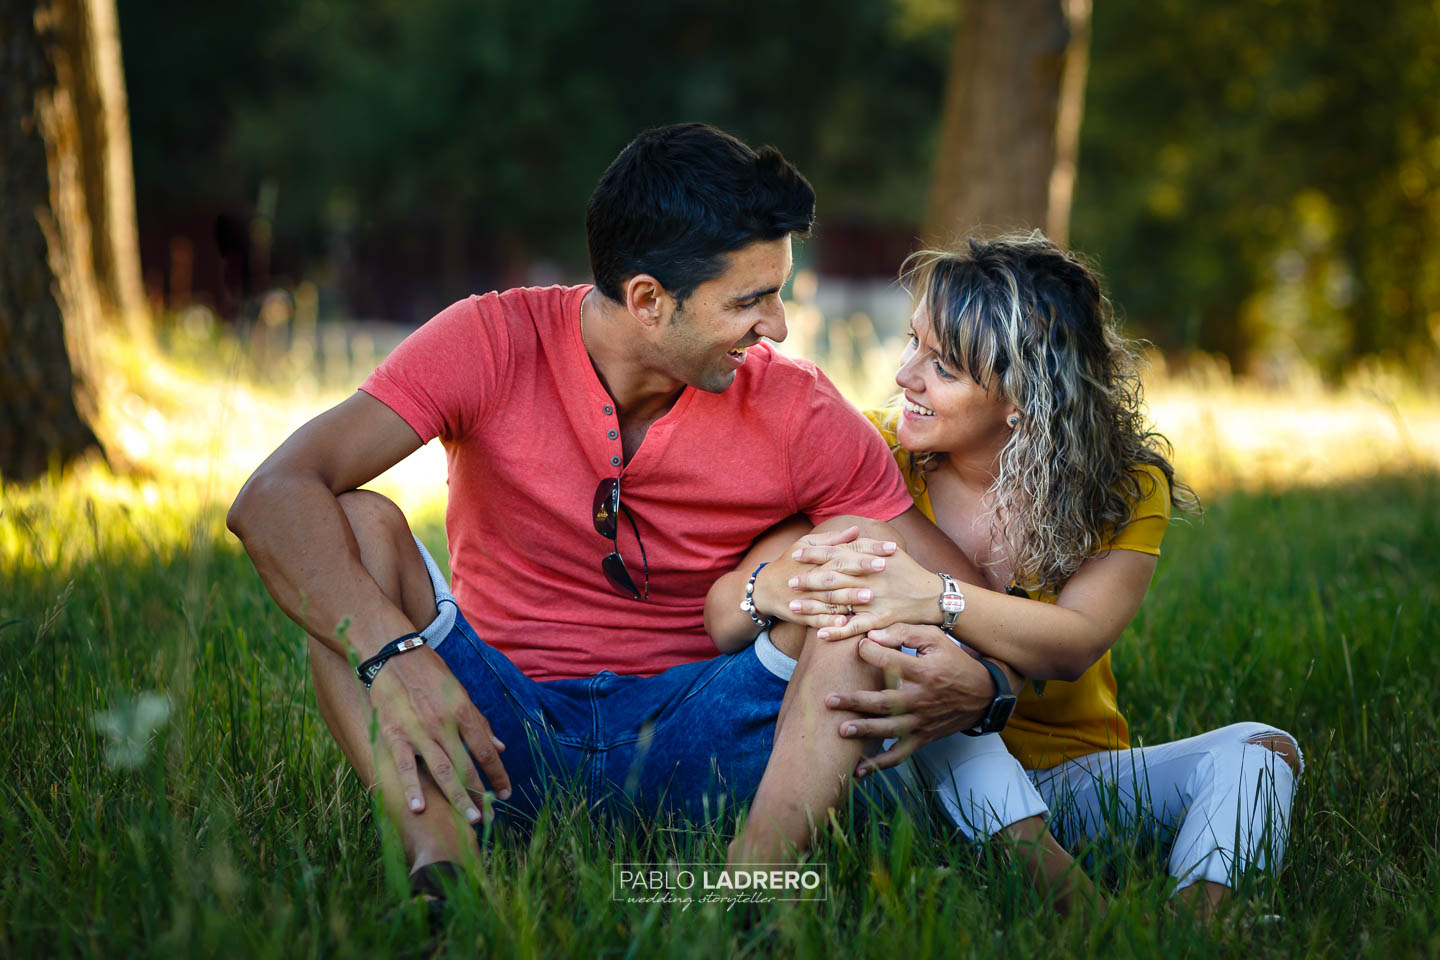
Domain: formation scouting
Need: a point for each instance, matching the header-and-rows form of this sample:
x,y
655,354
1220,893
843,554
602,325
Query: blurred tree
x,y
407,153
1260,179
1256,179
70,259
1010,126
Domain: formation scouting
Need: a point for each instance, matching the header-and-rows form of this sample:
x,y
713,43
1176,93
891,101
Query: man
x,y
612,451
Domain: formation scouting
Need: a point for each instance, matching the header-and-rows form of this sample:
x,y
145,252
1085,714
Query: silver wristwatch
x,y
952,601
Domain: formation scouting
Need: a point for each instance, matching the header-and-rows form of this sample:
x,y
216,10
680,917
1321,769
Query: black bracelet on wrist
x,y
367,670
998,713
748,604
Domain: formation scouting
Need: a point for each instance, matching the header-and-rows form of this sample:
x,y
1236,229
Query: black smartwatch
x,y
1000,708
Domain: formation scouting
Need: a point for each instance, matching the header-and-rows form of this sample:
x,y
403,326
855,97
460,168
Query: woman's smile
x,y
917,411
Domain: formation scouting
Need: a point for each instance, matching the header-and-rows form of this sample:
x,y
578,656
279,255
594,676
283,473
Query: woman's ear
x,y
647,299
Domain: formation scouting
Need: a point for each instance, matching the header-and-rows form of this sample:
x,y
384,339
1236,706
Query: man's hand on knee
x,y
422,711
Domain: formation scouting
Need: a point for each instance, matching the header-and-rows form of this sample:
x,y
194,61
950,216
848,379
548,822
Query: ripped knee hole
x,y
1281,744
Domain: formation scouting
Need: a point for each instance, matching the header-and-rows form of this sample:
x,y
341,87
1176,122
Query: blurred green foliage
x,y
475,131
1256,178
1262,175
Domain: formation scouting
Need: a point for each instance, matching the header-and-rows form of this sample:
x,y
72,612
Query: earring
x,y
1012,421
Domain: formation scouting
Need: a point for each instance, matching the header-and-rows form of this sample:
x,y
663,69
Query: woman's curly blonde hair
x,y
1020,315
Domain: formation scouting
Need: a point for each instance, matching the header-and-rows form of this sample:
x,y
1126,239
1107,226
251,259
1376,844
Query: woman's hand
x,y
939,691
849,558
880,593
731,626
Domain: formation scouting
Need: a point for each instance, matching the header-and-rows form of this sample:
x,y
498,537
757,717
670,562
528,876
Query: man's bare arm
x,y
294,529
296,533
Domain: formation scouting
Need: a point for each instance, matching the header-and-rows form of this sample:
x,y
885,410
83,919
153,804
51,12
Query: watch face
x,y
1000,709
952,602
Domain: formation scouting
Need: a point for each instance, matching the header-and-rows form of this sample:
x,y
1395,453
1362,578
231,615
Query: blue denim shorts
x,y
693,740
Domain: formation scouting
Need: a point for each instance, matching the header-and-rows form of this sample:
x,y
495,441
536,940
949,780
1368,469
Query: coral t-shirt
x,y
505,382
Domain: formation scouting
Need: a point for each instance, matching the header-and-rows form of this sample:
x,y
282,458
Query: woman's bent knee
x,y
1277,741
1282,745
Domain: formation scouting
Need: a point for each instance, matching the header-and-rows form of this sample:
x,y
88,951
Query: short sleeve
x,y
444,378
838,461
1149,517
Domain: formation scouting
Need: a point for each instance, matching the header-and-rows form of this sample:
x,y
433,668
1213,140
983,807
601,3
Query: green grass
x,y
241,831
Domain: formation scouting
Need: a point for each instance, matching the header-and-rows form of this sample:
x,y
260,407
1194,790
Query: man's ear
x,y
647,299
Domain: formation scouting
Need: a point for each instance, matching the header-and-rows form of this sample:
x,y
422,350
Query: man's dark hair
x,y
680,197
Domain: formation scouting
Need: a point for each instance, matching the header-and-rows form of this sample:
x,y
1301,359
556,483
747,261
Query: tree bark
x,y
1009,133
67,227
92,36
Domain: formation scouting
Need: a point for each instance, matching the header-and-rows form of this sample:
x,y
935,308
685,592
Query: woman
x,y
1020,434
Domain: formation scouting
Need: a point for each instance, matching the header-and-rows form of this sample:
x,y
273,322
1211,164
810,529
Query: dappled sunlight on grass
x,y
189,429
1228,433
1238,436
183,438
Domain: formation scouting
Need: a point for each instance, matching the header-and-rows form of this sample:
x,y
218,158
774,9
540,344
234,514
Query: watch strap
x,y
1001,707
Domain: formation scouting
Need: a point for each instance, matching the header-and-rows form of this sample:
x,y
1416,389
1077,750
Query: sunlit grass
x,y
169,788
202,417
1227,432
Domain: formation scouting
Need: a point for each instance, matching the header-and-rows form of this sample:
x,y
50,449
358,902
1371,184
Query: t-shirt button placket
x,y
609,410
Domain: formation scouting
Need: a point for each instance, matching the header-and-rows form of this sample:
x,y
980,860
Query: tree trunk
x,y
1010,129
68,239
104,121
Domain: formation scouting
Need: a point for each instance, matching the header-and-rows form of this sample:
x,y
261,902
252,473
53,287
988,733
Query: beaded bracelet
x,y
748,604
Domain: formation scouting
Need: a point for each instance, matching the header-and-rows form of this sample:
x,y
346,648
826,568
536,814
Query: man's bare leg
x,y
811,765
810,769
382,540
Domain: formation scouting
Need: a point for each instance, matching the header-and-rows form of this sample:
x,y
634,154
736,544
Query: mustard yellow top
x,y
1068,719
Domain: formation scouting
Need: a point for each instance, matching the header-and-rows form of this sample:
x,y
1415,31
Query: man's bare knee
x,y
828,663
1281,744
370,513
387,551
793,640
869,529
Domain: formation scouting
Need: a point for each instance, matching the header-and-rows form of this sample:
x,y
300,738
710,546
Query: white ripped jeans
x,y
1224,798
